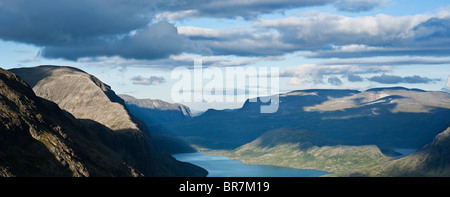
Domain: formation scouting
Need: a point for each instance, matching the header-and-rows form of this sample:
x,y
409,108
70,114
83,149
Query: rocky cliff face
x,y
79,93
37,138
96,106
153,111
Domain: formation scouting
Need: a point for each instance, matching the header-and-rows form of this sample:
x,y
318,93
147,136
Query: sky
x,y
134,46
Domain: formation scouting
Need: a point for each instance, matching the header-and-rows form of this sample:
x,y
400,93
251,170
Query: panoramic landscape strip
x,y
213,97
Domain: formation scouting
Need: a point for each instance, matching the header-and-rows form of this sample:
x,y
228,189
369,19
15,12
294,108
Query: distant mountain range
x,y
347,132
386,117
72,124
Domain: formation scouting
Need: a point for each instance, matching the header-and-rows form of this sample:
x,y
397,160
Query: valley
x,y
65,113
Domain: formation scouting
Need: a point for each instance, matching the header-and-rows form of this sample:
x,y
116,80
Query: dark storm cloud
x,y
94,28
153,42
89,28
86,28
48,22
393,79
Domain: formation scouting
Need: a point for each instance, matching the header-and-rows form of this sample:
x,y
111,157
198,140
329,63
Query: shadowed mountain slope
x,y
153,112
37,138
94,104
431,160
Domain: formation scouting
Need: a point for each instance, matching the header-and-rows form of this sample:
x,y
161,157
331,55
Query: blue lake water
x,y
404,152
220,166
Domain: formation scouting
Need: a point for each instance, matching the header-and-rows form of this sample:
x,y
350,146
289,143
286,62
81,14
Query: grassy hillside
x,y
306,150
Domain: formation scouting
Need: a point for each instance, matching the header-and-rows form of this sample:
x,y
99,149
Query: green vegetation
x,y
305,150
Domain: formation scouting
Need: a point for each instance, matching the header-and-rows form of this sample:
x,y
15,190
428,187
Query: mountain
x,y
37,138
432,160
303,149
386,117
79,93
153,112
95,105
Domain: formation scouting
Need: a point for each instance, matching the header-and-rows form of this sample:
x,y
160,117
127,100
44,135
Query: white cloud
x,y
312,73
406,60
447,85
325,28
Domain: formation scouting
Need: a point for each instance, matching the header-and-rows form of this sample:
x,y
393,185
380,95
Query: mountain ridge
x,y
95,104
386,117
37,138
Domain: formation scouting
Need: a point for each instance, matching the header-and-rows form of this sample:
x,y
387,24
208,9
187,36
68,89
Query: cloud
x,y
32,59
233,8
359,5
95,28
312,73
354,78
324,35
325,28
393,79
251,9
159,40
447,85
398,61
238,41
334,81
152,80
175,61
91,28
70,21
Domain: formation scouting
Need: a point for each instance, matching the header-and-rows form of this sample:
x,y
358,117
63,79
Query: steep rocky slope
x,y
431,160
79,93
37,138
153,111
94,104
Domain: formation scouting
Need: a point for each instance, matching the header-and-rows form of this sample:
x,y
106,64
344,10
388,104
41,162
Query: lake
x,y
404,152
220,166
